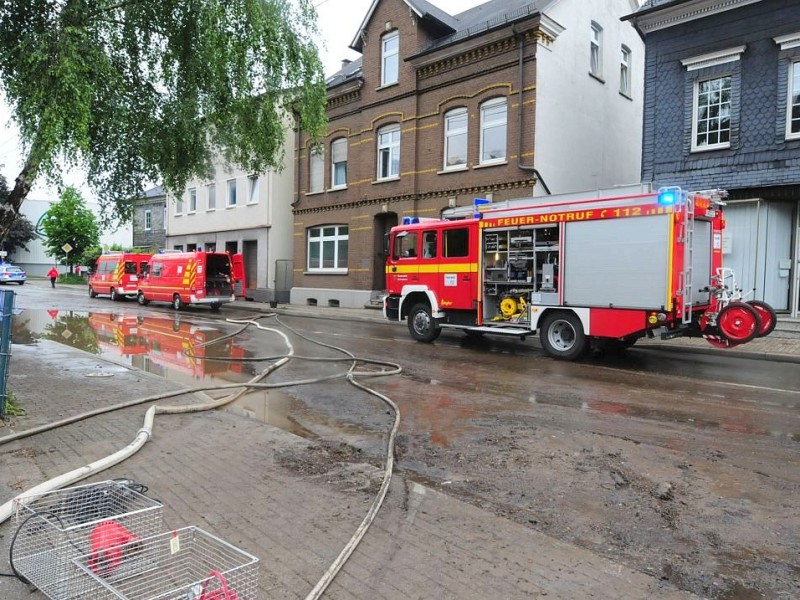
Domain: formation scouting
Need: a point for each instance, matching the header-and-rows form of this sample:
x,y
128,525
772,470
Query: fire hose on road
x,y
145,433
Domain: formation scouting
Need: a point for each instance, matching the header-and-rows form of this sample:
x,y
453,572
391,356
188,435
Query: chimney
x,y
345,62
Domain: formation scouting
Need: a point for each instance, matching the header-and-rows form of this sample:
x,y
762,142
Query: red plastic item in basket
x,y
106,542
223,593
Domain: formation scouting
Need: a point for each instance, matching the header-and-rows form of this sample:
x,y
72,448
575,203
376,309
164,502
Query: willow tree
x,y
135,91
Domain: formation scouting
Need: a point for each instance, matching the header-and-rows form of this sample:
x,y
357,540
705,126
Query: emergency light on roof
x,y
410,220
669,196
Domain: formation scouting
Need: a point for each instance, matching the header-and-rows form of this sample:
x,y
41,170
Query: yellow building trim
x,y
361,229
362,217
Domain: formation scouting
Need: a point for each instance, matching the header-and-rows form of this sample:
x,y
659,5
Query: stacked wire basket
x,y
107,541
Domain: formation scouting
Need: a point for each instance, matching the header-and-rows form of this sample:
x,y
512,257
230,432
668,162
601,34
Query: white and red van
x,y
183,278
117,274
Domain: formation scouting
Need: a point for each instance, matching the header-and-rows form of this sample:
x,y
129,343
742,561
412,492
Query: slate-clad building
x,y
722,110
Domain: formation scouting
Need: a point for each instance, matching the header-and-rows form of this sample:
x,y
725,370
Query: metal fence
x,y
6,311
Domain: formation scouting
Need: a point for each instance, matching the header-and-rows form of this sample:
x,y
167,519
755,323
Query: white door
x,y
757,244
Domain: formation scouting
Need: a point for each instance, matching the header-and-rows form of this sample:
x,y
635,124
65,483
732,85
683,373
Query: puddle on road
x,y
169,347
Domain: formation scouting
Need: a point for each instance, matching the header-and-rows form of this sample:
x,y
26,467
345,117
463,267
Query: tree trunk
x,y
22,185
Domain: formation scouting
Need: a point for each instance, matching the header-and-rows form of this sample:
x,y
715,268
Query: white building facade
x,y
239,212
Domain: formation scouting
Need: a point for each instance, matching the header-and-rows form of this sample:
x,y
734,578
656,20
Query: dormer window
x,y
390,57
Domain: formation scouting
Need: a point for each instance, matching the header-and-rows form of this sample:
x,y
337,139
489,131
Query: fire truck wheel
x,y
216,306
769,317
92,293
739,322
113,294
142,300
176,302
562,336
422,325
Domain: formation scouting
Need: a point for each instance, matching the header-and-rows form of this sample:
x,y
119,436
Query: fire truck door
x,y
456,276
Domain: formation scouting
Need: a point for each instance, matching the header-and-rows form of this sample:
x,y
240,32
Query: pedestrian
x,y
53,275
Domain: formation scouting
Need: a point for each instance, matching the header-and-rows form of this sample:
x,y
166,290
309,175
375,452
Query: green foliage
x,y
12,409
137,91
73,330
71,278
70,222
90,256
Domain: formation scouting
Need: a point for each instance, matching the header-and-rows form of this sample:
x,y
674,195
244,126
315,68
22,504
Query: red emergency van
x,y
117,274
183,278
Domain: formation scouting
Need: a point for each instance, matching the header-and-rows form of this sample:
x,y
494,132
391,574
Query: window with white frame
x,y
793,108
596,50
327,248
625,71
390,58
211,192
493,130
178,206
316,172
455,138
231,192
711,122
339,163
252,198
389,152
192,200
148,220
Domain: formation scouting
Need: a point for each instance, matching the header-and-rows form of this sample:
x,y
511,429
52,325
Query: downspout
x,y
521,43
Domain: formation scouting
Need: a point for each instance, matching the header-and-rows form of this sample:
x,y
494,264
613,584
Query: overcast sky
x,y
339,21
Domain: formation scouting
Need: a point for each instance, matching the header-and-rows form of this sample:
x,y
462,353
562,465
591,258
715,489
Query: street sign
x,y
66,248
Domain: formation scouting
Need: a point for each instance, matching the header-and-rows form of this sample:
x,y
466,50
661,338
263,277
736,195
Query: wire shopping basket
x,y
185,564
55,527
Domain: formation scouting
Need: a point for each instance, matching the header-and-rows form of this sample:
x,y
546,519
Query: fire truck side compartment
x,y
617,262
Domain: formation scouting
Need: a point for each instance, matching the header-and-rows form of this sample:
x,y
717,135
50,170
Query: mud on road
x,y
713,508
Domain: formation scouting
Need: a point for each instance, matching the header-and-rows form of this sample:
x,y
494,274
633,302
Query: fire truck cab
x,y
183,278
579,269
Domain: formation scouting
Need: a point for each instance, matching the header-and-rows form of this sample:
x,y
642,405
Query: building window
x,y
231,192
389,152
711,122
493,131
793,109
625,71
339,163
178,206
455,138
253,197
316,161
192,201
212,196
596,51
148,220
390,55
327,248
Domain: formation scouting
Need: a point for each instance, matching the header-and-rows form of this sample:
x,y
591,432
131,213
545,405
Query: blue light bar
x,y
670,196
481,201
410,220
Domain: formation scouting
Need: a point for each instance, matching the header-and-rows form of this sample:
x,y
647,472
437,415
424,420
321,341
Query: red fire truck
x,y
581,269
183,278
117,274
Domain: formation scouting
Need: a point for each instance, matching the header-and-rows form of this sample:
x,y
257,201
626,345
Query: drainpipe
x,y
521,43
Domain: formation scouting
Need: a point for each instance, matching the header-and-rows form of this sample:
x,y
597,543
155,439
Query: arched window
x,y
493,130
339,163
455,138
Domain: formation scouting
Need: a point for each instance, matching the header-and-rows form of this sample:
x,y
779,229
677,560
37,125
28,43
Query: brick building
x,y
508,99
722,110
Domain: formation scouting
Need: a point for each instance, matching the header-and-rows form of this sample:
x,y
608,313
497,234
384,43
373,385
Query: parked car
x,y
12,274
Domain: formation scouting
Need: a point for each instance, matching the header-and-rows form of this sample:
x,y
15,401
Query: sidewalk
x,y
245,482
777,346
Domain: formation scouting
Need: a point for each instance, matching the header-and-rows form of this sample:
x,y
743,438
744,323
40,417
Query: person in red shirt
x,y
53,275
